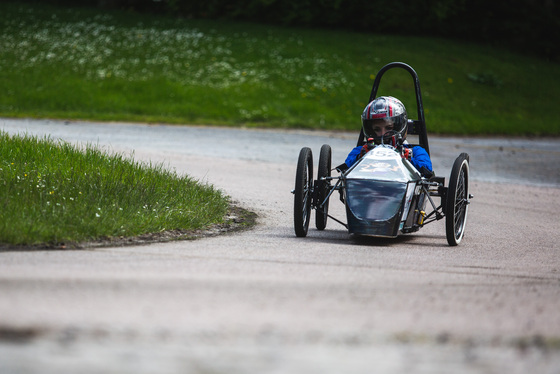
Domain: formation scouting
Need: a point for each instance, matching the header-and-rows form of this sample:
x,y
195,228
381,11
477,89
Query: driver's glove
x,y
367,147
407,154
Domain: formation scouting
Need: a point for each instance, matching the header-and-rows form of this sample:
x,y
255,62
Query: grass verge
x,y
54,194
80,63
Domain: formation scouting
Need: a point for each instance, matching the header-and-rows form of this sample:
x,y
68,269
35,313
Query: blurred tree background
x,y
527,26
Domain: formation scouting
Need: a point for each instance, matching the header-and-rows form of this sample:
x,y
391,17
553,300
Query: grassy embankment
x,y
84,64
52,193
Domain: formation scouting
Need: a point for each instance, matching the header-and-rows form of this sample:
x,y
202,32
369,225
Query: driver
x,y
384,121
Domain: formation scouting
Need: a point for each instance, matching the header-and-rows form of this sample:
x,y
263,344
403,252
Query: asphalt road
x,y
264,301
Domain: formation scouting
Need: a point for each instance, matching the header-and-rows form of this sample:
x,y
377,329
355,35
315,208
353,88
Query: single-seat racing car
x,y
384,194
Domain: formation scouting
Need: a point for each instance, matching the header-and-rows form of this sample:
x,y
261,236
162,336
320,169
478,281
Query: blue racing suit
x,y
419,159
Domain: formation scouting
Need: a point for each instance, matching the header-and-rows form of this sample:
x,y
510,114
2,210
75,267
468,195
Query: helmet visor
x,y
376,128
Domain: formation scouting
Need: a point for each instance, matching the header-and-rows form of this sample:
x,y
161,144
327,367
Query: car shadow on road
x,y
342,237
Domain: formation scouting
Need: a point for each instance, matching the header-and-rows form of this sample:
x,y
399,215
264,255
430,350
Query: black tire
x,y
457,202
323,187
303,192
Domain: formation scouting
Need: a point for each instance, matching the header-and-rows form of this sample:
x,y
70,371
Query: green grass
x,y
86,64
52,192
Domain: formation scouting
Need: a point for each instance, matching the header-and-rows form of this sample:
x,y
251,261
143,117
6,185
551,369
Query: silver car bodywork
x,y
379,190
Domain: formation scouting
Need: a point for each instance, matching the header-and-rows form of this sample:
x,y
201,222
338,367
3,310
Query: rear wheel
x,y
303,192
457,200
323,187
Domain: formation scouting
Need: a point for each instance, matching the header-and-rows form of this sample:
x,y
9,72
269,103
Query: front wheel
x,y
303,192
323,187
457,202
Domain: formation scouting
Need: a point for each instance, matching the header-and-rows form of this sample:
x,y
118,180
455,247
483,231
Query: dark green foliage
x,y
527,25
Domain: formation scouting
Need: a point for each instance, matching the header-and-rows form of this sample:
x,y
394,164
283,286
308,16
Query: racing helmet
x,y
379,114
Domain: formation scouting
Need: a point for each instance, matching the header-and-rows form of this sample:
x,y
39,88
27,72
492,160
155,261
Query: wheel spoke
x,y
460,205
305,203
